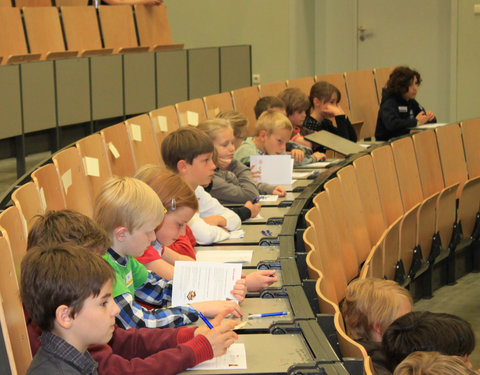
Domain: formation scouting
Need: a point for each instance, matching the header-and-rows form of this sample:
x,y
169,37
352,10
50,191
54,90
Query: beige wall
x,y
295,38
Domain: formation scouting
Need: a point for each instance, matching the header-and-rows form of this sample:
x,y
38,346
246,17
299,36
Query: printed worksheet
x,y
203,281
234,359
227,256
274,169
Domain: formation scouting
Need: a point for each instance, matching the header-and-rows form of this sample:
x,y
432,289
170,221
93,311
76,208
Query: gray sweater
x,y
236,184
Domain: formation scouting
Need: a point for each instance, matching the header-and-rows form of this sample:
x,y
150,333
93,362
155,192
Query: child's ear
x,y
63,316
262,134
181,166
120,233
316,102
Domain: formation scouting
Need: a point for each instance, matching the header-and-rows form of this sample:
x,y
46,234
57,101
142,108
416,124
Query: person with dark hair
x,y
399,110
428,332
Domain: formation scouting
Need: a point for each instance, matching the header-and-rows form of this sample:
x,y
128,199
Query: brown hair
x,y
68,226
323,90
184,144
126,202
432,363
295,100
369,301
172,190
266,103
271,120
60,274
400,79
237,121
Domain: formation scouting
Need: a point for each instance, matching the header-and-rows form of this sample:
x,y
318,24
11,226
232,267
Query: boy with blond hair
x,y
432,363
130,211
129,351
188,152
68,293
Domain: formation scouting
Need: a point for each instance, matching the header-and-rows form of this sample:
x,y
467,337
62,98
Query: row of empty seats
x,y
70,31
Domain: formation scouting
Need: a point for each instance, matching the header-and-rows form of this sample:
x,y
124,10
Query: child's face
x,y
136,243
412,90
297,118
276,142
223,143
238,140
173,225
201,171
94,323
332,101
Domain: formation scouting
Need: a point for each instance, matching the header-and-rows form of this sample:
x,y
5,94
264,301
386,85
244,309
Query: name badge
x,y
128,279
402,108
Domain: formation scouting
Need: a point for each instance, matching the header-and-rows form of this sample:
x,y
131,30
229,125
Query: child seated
x,y
431,332
324,99
130,351
68,294
188,152
272,133
181,204
233,181
269,102
370,306
238,123
432,363
129,211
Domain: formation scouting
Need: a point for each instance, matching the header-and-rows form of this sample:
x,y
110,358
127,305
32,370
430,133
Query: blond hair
x,y
213,127
271,121
127,202
237,121
432,363
371,301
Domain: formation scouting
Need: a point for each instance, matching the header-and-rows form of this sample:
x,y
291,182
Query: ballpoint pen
x,y
209,325
253,316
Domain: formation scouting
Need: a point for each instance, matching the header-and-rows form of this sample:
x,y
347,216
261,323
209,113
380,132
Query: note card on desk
x,y
274,169
227,256
203,281
234,359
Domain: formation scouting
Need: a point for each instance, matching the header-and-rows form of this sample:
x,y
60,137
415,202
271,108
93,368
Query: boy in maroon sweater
x,y
134,351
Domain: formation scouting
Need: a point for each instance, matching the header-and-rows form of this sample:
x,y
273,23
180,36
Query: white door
x,y
409,32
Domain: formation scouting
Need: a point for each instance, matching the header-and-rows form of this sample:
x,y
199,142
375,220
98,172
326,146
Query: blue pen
x,y
253,316
268,232
255,200
209,325
264,233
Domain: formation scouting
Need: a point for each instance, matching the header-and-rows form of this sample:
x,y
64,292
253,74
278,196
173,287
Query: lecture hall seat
x,y
217,103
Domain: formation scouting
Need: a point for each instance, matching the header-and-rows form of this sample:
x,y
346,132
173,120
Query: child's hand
x,y
254,208
422,118
256,173
212,308
320,156
259,280
280,191
430,116
223,163
218,221
222,335
240,289
331,110
297,154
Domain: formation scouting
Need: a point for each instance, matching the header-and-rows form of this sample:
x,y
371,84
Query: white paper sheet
x,y
136,132
275,169
92,166
162,123
301,174
234,359
267,198
225,256
203,281
192,118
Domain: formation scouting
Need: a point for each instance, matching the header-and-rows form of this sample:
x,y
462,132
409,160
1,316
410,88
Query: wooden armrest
x,y
132,49
167,47
17,59
61,55
96,52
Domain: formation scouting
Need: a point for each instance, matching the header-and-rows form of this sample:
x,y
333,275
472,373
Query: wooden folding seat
x,y
365,212
44,32
154,28
426,228
338,80
428,161
95,161
244,101
272,89
8,360
304,84
381,78
27,200
471,140
5,3
82,32
13,45
217,103
122,39
144,143
71,171
407,172
12,228
48,184
14,323
362,96
33,3
191,112
387,183
61,3
165,121
469,206
119,150
373,266
391,250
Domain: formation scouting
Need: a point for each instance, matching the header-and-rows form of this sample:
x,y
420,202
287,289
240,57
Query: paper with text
x,y
234,359
225,256
274,169
203,281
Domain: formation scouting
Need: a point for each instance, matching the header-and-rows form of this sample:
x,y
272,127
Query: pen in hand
x,y
209,325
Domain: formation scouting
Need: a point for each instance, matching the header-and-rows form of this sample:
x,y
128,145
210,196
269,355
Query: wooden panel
x,y
203,72
235,67
244,101
114,36
159,117
471,140
272,89
381,77
12,37
172,86
195,105
27,200
304,84
452,156
33,3
218,103
120,156
48,184
143,141
81,28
